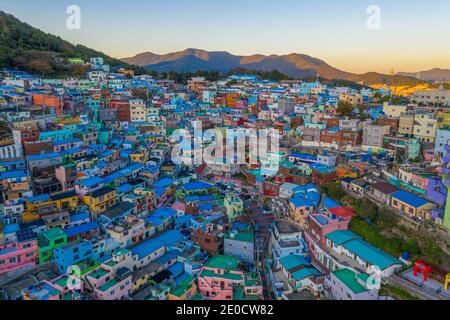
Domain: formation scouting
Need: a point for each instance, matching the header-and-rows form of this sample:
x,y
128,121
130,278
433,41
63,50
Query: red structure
x,y
420,266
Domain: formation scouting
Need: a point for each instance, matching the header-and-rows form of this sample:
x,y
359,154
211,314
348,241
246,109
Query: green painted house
x,y
48,242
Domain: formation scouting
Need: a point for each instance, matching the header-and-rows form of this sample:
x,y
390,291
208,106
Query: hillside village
x,y
94,207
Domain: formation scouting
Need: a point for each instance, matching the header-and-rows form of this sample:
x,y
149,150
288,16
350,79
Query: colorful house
x,y
186,290
100,200
346,284
221,275
234,206
412,205
19,254
72,253
48,242
240,243
349,244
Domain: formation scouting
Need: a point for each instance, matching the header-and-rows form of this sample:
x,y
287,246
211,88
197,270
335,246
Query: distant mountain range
x,y
27,48
429,75
297,66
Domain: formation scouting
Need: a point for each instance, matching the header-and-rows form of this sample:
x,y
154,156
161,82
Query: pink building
x,y
221,279
428,151
112,280
320,225
419,181
17,255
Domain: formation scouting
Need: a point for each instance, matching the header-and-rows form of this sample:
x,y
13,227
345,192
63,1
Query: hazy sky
x,y
414,34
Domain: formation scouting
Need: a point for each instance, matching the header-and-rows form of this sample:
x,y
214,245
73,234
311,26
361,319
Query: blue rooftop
x,y
322,220
91,182
13,174
177,268
43,156
330,203
146,248
171,237
123,172
205,207
11,228
301,202
163,183
79,217
197,185
71,232
8,251
125,188
410,199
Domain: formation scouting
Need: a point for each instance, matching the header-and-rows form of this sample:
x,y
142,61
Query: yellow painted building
x,y
412,206
140,157
36,206
443,120
100,200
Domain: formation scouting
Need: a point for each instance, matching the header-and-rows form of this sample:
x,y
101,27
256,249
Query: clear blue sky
x,y
414,34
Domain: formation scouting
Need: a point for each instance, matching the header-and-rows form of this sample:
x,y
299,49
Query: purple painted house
x,y
436,191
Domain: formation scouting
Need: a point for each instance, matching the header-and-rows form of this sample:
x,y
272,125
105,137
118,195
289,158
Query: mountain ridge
x,y
294,65
27,48
435,74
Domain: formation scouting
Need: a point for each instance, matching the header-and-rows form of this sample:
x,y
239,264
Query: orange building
x,y
49,101
231,99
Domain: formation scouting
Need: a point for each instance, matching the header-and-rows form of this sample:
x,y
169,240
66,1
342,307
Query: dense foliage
x,y
213,75
382,228
29,49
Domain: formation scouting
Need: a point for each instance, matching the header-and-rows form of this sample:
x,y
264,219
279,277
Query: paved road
x,y
412,288
263,224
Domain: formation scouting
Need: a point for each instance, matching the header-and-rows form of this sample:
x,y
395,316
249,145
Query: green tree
x,y
334,191
39,67
344,109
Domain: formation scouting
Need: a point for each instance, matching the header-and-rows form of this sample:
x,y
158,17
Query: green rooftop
x,y
183,287
226,275
54,233
350,279
62,282
252,279
108,285
111,263
223,262
305,273
243,236
99,273
238,294
341,236
293,261
198,297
